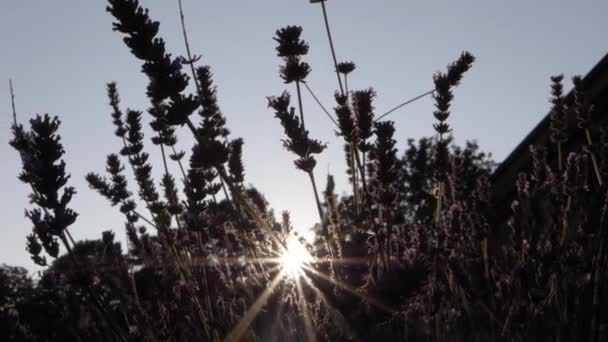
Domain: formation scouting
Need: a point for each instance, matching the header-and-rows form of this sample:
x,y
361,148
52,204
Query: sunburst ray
x,y
310,332
237,332
351,290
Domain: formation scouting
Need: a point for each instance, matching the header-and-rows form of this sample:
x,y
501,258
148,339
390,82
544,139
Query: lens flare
x,y
294,257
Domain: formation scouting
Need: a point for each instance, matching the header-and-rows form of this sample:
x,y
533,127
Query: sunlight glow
x,y
242,326
347,288
294,257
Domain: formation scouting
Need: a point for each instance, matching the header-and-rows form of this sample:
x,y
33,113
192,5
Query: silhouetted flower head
x,y
443,89
34,247
180,108
291,48
306,164
444,82
165,134
196,190
582,109
384,161
297,140
209,153
139,160
41,154
117,119
289,42
214,123
141,32
170,191
211,149
100,184
134,134
346,122
348,158
119,182
235,161
457,69
364,113
558,112
330,186
346,67
177,156
294,70
166,79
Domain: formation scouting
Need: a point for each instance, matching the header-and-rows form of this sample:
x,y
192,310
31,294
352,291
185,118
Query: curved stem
x,y
430,92
320,104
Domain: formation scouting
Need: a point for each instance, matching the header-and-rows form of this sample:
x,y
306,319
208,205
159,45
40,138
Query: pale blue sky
x,y
62,53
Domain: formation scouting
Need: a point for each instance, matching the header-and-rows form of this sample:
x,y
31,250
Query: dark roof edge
x,y
601,68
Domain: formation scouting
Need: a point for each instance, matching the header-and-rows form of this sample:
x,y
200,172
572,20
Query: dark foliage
x,y
414,252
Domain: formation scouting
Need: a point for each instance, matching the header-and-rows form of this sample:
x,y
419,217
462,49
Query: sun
x,y
294,257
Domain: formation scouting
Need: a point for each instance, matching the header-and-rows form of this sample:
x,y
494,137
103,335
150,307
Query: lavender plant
x,y
413,252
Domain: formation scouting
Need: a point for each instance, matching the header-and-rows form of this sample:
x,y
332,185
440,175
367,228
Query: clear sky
x,y
62,53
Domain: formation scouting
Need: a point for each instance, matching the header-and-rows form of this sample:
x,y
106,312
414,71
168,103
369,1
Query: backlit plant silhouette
x,y
413,252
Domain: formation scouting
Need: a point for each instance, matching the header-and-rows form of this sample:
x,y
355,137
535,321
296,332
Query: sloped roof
x,y
503,178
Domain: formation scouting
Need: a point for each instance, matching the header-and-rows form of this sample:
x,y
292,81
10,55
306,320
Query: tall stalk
x,y
316,193
310,172
300,106
331,46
